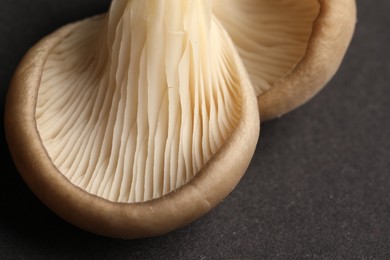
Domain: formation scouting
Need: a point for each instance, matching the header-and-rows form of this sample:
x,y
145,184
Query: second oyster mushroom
x,y
130,124
290,48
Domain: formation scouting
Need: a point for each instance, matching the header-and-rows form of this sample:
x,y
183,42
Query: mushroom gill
x,y
270,36
134,104
290,48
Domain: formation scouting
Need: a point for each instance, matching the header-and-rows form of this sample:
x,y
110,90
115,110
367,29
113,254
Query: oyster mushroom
x,y
135,123
290,48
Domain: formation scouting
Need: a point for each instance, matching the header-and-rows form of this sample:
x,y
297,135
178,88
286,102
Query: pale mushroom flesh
x,y
133,104
271,36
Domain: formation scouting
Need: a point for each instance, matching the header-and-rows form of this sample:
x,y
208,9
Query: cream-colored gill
x,y
271,36
132,105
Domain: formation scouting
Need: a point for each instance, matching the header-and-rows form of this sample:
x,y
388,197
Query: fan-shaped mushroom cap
x,y
135,123
290,48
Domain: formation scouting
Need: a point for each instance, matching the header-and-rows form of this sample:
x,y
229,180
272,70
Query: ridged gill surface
x,y
133,104
271,35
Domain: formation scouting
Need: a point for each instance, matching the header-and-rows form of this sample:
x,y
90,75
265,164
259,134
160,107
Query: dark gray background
x,y
318,185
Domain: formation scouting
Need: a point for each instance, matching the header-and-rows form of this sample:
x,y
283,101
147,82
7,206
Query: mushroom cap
x,y
176,209
326,28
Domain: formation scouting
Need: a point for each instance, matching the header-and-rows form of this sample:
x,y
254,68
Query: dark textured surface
x,y
318,186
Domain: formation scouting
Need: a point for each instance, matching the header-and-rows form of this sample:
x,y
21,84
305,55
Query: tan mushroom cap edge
x,y
121,220
331,35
